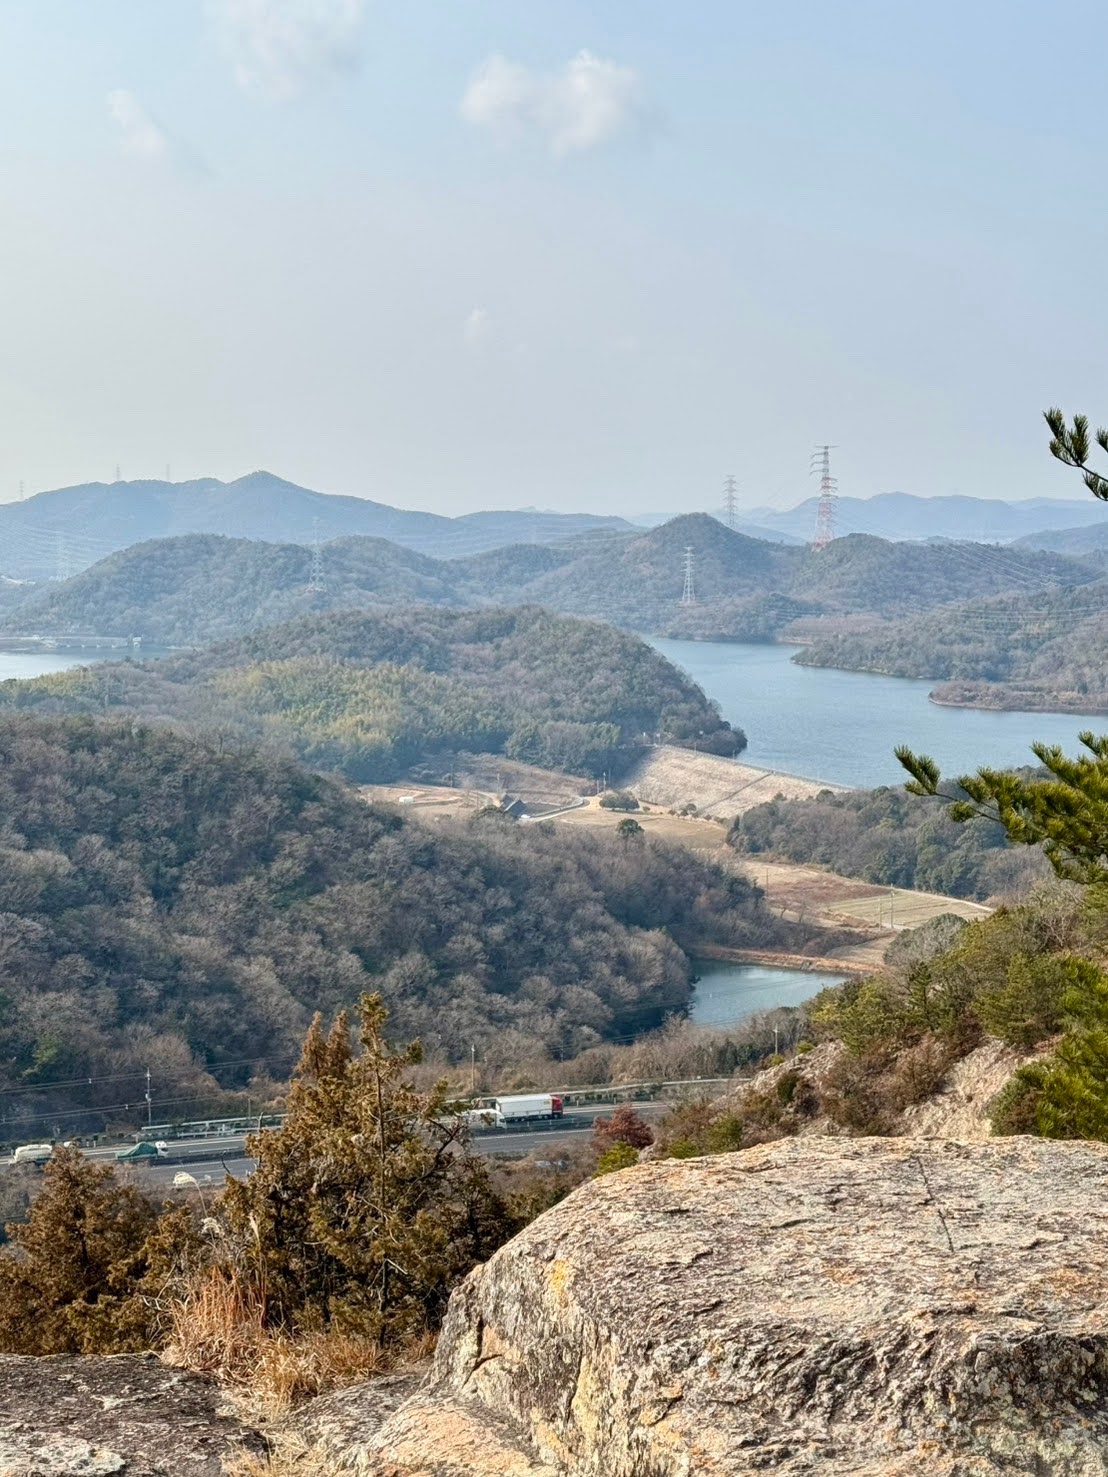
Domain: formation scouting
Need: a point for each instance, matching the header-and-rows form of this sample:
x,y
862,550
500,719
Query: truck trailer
x,y
509,1112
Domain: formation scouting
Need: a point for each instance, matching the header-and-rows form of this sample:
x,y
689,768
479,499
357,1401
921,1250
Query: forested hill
x,y
374,694
188,591
890,837
1043,650
78,525
185,905
192,590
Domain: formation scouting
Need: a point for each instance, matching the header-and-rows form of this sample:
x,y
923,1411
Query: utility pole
x,y
149,1101
118,474
688,594
730,500
828,490
472,1071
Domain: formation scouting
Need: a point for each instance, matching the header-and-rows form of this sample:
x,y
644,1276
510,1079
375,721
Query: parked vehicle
x,y
32,1153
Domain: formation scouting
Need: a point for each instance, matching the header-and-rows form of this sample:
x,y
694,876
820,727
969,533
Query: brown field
x,y
718,787
817,896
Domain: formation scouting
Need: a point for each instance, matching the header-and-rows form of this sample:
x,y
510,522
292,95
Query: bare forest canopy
x,y
1035,650
185,905
890,837
379,695
201,588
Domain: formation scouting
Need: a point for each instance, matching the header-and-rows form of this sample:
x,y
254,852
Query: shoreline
x,y
776,959
979,707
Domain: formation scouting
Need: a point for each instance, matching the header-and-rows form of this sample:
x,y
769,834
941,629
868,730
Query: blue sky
x,y
463,255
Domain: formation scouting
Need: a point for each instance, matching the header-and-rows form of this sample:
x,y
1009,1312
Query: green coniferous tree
x,y
367,1207
91,1269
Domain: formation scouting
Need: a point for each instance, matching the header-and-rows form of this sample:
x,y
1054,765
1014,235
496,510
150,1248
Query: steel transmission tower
x,y
315,582
688,594
828,490
730,500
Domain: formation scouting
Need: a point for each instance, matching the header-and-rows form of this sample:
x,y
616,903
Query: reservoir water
x,y
39,663
844,726
726,993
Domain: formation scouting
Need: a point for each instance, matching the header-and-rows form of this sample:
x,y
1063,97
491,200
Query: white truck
x,y
507,1112
32,1153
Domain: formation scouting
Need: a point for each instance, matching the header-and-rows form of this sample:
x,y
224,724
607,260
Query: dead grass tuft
x,y
219,1329
290,1457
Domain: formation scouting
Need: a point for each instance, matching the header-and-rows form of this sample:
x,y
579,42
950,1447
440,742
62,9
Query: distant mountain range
x,y
58,533
1082,542
903,515
203,587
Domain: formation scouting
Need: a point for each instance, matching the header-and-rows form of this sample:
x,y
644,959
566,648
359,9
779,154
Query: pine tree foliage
x,y
91,1269
1066,812
1070,445
367,1207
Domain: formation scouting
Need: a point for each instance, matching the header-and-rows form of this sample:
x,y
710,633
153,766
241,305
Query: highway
x,y
209,1161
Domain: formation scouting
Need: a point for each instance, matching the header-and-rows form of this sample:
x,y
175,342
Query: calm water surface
x,y
39,663
844,726
725,993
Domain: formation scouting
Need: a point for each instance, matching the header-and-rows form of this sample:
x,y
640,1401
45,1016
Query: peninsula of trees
x,y
1033,651
373,694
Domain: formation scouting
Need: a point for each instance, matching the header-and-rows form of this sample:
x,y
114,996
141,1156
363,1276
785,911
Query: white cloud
x,y
281,47
587,103
140,136
477,327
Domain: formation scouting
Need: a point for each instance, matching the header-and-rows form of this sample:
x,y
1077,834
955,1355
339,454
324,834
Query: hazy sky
x,y
472,253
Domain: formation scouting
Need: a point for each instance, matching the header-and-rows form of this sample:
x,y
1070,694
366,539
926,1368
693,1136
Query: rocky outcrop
x,y
126,1416
871,1307
960,1108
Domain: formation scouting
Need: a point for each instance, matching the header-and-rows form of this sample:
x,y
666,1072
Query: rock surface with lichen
x,y
126,1415
872,1307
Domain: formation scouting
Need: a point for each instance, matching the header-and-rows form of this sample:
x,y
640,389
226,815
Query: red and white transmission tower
x,y
828,490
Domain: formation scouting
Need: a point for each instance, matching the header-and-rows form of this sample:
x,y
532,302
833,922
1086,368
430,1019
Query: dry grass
x,y
290,1457
218,1328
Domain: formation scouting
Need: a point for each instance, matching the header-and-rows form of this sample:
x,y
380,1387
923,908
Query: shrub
x,y
366,1207
619,1156
92,1268
1027,1006
623,1126
1015,1107
618,800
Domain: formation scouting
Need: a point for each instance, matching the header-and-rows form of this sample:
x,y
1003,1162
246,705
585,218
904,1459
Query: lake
x,y
726,993
39,663
844,726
